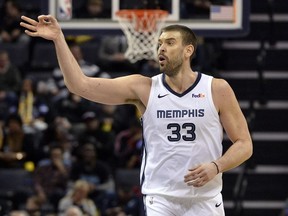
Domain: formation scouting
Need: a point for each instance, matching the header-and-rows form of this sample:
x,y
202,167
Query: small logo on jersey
x,y
151,200
161,96
218,204
200,95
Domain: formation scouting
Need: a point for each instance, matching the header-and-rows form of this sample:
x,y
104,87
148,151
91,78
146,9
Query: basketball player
x,y
183,115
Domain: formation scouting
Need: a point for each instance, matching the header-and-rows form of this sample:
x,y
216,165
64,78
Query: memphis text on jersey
x,y
190,113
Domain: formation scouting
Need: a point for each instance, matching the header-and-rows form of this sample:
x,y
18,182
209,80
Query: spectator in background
x,y
78,196
97,173
10,31
58,131
32,109
92,9
117,118
46,90
95,133
128,146
16,146
112,54
10,84
51,177
73,107
10,76
88,68
127,202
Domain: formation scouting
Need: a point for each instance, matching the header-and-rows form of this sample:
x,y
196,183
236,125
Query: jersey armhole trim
x,y
211,102
151,93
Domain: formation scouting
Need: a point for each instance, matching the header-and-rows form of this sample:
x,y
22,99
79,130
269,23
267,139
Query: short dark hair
x,y
188,36
54,146
14,117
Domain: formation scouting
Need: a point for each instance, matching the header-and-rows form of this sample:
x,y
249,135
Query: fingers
x,y
196,180
32,30
30,25
47,19
44,19
52,19
35,28
32,34
196,177
196,183
29,20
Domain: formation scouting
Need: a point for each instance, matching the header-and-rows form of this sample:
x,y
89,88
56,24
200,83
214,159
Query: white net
x,y
141,28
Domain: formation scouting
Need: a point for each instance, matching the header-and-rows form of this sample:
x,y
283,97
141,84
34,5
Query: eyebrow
x,y
167,39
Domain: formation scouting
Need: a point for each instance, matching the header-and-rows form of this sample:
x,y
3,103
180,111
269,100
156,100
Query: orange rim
x,y
140,17
127,13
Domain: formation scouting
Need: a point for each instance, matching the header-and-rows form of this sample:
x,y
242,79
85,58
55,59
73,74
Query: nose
x,y
161,48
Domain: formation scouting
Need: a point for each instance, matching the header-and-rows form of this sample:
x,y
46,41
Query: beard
x,y
172,68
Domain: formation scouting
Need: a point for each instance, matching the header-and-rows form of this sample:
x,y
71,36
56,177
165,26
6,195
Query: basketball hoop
x,y
141,28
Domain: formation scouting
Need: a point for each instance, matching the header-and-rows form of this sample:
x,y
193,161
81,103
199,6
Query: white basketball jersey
x,y
180,131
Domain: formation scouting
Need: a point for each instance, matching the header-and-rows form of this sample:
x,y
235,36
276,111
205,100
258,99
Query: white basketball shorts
x,y
167,206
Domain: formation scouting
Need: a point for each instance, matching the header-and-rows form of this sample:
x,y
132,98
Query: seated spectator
x,y
58,131
128,201
16,146
73,107
10,31
10,76
128,146
117,118
92,9
88,68
97,173
94,132
51,177
10,84
112,54
33,110
69,144
78,196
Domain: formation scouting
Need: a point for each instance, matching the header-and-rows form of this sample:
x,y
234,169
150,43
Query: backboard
x,y
227,18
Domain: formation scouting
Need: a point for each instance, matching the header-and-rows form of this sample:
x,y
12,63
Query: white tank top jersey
x,y
180,131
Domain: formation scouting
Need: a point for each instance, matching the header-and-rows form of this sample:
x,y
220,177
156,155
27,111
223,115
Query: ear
x,y
189,50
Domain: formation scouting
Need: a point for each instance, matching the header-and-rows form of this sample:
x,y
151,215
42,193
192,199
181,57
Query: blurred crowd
x,y
71,148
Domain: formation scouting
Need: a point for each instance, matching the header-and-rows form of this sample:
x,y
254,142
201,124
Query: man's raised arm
x,y
108,91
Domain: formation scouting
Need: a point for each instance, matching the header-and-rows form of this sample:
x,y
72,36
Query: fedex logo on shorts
x,y
200,95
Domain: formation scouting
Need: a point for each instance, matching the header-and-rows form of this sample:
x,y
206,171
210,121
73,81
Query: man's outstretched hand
x,y
46,27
